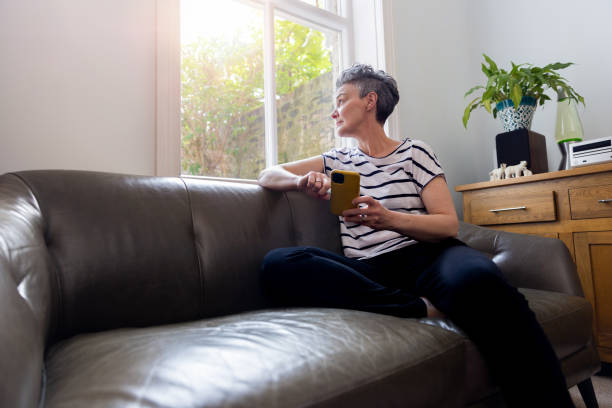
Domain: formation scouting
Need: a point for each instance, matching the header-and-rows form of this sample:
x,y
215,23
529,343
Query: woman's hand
x,y
371,213
440,221
315,184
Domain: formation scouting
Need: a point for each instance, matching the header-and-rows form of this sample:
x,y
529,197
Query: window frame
x,y
168,82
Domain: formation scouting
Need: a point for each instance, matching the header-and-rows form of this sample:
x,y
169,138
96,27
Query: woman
x,y
401,256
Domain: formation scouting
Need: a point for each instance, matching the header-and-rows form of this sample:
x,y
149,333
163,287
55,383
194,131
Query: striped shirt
x,y
396,181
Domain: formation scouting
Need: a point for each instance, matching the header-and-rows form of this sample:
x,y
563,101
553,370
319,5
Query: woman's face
x,y
350,110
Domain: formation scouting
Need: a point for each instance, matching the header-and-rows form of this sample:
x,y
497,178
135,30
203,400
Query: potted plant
x,y
515,94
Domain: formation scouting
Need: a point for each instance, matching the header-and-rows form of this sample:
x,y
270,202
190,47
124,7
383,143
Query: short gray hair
x,y
366,79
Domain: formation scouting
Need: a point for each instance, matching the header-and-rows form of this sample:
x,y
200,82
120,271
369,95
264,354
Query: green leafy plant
x,y
222,93
522,80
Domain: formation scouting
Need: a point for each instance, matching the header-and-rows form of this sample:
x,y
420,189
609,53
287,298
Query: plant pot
x,y
513,119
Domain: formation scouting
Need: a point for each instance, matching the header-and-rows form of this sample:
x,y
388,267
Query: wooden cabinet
x,y
594,261
574,206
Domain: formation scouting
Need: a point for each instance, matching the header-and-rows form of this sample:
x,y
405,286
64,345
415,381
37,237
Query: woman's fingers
x,y
324,190
365,206
354,212
317,185
370,212
311,180
359,215
367,200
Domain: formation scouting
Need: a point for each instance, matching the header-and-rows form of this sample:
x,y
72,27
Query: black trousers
x,y
461,282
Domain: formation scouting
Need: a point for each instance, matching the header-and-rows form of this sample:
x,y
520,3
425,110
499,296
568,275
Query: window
x,y
257,80
329,5
307,65
222,89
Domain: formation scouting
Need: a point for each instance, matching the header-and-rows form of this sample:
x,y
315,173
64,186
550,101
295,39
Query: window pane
x,y
307,62
329,5
222,115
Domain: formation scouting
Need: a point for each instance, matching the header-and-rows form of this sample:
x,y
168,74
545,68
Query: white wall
x,y
438,57
431,68
77,78
77,85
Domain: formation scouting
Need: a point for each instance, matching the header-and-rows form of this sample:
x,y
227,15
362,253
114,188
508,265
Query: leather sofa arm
x,y
25,299
527,261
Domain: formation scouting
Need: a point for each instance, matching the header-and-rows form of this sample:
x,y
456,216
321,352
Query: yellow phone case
x,y
344,188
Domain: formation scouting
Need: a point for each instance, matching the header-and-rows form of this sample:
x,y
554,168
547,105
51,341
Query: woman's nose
x,y
334,114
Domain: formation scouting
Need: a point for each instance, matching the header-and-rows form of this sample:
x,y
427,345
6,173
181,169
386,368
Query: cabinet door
x,y
594,261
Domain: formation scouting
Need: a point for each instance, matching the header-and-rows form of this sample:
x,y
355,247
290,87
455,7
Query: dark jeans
x,y
461,282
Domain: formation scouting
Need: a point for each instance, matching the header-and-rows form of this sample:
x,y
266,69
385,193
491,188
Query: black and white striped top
x,y
395,180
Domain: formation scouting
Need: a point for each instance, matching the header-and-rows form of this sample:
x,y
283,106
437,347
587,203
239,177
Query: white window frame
x,y
375,41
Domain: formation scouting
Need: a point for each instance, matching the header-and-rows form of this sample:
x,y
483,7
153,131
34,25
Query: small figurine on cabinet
x,y
497,174
516,170
527,172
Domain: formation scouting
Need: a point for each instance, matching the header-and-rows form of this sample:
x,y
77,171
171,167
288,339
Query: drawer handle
x,y
609,200
509,209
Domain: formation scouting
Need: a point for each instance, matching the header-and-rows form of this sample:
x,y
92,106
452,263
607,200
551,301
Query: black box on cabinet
x,y
522,144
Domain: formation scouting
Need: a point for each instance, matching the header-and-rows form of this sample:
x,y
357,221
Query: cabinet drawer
x,y
513,209
591,202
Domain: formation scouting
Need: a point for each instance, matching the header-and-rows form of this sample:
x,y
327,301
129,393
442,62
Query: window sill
x,y
224,179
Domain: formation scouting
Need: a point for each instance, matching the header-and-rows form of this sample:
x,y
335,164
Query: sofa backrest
x,y
127,251
121,250
236,224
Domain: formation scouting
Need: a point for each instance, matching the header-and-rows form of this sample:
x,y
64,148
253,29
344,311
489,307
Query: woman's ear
x,y
371,99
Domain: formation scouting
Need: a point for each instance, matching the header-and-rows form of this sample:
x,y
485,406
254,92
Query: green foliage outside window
x,y
222,96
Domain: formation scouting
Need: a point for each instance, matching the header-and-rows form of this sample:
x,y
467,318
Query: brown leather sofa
x,y
120,291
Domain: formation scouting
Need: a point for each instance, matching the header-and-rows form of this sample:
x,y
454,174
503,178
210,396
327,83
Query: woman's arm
x,y
440,221
303,175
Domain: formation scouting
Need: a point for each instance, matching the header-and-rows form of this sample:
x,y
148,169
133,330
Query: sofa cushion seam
x,y
561,315
195,247
291,215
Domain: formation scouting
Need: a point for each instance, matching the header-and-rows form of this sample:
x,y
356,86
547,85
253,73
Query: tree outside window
x,y
222,92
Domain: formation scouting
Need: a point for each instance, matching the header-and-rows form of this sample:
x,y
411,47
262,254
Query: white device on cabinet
x,y
592,151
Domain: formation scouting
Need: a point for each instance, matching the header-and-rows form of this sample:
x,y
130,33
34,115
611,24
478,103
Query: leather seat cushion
x,y
269,358
566,320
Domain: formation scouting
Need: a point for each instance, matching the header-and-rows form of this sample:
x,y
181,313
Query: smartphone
x,y
344,188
